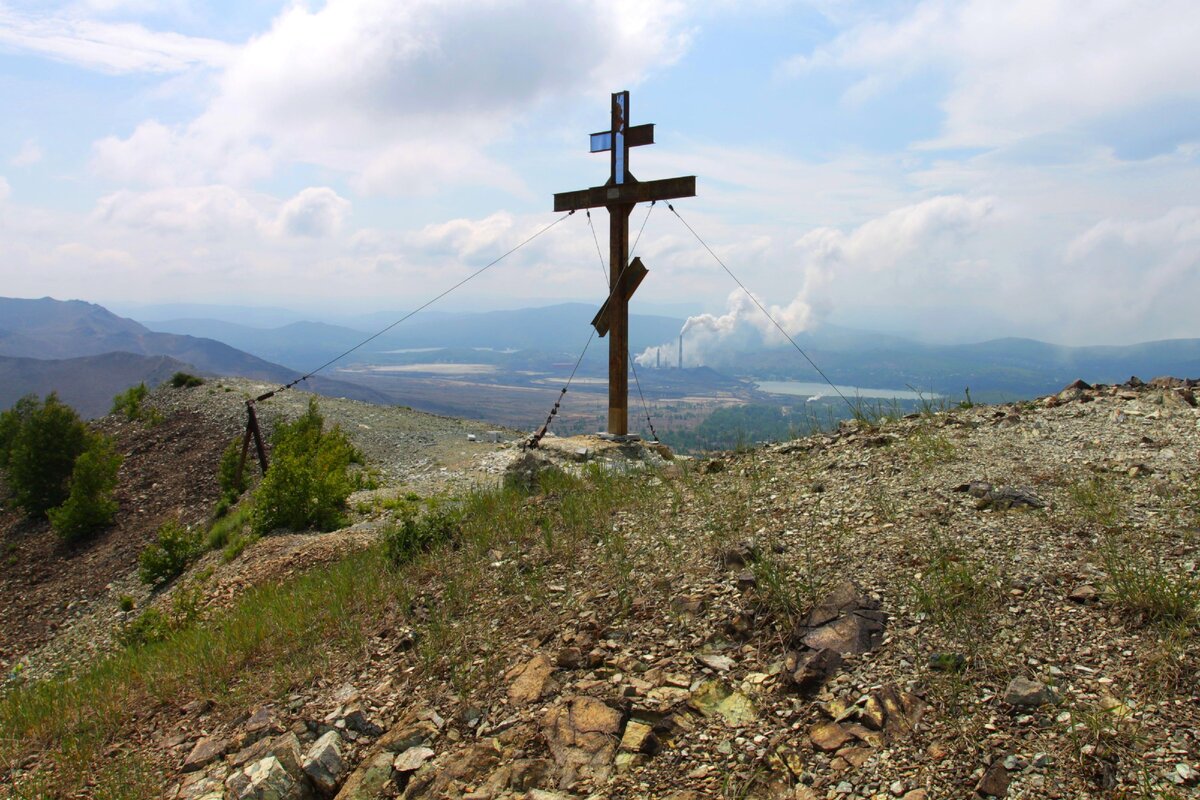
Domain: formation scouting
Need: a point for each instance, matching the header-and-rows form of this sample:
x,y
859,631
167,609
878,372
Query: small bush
x,y
237,544
184,380
149,627
129,402
41,442
309,479
231,532
1098,501
413,534
90,504
1146,590
929,447
232,484
175,548
958,594
126,603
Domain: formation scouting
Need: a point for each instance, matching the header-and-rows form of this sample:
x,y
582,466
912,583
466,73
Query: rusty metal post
x,y
241,470
252,431
252,423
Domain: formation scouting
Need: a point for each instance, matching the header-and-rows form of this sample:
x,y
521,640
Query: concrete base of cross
x,y
621,438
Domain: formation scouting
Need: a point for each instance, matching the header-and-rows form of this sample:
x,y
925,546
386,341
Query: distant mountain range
x,y
996,370
73,347
554,330
525,341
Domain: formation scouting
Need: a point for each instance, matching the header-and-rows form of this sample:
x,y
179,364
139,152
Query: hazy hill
x,y
549,329
1001,368
87,384
53,329
995,369
298,345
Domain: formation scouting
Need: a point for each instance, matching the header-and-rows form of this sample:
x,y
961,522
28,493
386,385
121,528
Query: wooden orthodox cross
x,y
619,195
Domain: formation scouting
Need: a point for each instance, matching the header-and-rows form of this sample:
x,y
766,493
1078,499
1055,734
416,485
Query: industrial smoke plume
x,y
742,323
926,237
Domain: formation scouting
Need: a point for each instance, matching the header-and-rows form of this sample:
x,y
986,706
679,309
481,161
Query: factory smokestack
x,y
658,359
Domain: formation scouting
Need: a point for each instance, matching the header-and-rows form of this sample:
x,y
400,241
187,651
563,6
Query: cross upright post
x,y
619,195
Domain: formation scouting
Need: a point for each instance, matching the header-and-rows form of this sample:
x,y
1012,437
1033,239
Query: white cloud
x,y
464,237
315,212
208,210
158,155
30,153
914,232
1180,227
1027,67
219,212
87,257
110,47
399,96
5,189
1159,295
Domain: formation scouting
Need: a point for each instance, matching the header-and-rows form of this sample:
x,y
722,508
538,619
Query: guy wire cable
x,y
419,308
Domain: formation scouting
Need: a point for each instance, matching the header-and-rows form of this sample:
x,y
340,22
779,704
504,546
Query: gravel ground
x,y
994,539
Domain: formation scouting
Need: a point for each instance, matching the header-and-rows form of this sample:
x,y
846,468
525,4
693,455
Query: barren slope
x,y
991,601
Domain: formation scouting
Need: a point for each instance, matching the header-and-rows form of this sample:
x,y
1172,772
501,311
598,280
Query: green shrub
x,y
184,380
232,483
90,504
42,441
150,626
230,533
129,402
309,478
169,555
11,422
414,534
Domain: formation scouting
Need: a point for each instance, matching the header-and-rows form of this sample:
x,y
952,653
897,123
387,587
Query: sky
x,y
953,171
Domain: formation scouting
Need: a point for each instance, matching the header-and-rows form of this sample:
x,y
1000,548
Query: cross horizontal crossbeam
x,y
626,194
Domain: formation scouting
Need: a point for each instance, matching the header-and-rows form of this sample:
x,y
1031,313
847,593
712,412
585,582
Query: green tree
x,y
90,504
48,438
11,422
309,478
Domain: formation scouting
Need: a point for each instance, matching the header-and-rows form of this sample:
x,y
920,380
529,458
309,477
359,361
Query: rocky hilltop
x,y
994,601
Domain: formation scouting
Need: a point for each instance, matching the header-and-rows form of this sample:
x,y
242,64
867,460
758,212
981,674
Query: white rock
x,y
412,759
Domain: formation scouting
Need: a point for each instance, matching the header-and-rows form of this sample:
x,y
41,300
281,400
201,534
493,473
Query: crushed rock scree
x,y
673,680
